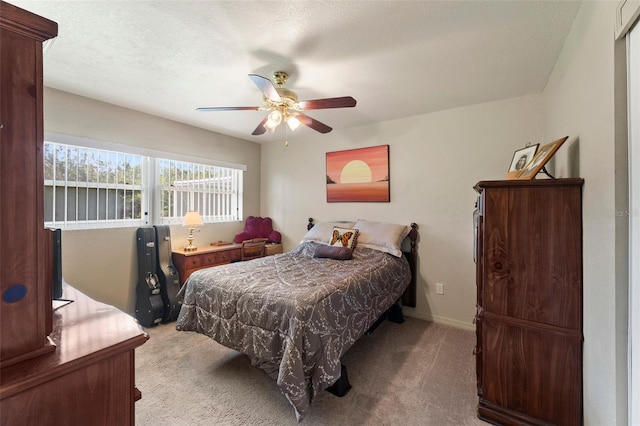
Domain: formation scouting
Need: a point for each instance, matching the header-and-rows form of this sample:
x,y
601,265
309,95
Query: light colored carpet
x,y
416,373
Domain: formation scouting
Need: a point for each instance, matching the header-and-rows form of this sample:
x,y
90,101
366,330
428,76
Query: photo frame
x,y
357,175
542,157
521,158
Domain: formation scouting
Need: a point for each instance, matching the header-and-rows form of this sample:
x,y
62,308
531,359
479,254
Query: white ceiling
x,y
396,58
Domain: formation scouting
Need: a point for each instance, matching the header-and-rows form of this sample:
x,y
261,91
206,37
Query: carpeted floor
x,y
416,373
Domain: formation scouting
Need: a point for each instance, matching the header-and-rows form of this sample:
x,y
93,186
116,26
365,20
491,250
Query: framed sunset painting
x,y
358,175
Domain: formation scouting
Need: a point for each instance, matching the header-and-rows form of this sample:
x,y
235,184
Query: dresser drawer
x,y
215,258
223,257
193,262
235,255
209,259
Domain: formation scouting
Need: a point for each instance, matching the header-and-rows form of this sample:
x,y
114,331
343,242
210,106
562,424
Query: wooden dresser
x,y
87,380
187,262
529,301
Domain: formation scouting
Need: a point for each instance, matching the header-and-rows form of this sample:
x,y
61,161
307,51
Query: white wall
x,y
580,101
435,161
102,263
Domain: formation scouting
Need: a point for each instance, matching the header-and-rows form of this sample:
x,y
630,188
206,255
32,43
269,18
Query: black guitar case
x,y
168,274
149,304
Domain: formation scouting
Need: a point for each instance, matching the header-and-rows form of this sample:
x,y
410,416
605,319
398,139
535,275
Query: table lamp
x,y
191,220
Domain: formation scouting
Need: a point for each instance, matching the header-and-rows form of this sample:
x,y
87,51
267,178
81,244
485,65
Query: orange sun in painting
x,y
356,171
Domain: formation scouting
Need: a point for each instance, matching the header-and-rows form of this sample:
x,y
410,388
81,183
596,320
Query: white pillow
x,y
386,237
321,232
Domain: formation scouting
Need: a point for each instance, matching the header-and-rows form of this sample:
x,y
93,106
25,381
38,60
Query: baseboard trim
x,y
438,319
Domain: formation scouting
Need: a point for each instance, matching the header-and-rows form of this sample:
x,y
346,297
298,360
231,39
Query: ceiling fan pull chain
x,y
286,138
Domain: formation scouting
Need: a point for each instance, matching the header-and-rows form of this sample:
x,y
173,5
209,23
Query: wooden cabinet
x,y
529,301
187,262
24,282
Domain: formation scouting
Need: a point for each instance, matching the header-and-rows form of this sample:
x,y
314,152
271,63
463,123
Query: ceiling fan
x,y
283,106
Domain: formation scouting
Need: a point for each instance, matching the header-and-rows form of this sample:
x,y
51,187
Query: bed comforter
x,y
294,315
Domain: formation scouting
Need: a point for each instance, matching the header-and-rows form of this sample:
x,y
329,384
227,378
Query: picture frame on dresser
x,y
521,159
542,157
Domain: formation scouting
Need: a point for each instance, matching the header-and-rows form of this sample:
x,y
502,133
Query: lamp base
x,y
190,238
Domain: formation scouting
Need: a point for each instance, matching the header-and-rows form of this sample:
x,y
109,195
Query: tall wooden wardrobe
x,y
23,245
73,365
529,301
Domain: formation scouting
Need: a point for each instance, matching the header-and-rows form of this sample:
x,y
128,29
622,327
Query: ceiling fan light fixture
x,y
273,120
275,117
293,123
270,126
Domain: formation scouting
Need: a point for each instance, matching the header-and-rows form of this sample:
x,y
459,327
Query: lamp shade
x,y
192,219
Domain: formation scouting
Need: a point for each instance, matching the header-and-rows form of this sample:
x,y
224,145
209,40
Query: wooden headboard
x,y
409,295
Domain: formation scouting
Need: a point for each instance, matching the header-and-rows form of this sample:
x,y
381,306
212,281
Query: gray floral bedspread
x,y
294,315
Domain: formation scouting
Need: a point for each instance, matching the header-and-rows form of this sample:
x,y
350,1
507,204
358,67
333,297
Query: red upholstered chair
x,y
258,227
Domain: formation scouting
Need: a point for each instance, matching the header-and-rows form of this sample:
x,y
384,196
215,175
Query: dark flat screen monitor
x,y
57,264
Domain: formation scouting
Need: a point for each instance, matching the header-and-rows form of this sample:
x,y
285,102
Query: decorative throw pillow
x,y
330,252
344,237
258,227
321,232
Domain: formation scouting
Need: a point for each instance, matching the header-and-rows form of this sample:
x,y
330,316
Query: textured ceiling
x,y
397,58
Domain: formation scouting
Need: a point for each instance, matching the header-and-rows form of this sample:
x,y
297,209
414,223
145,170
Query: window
x,y
215,192
87,187
90,188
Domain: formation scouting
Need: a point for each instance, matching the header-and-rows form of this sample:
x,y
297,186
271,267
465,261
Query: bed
x,y
295,314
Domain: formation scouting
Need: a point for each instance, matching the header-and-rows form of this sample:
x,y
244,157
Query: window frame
x,y
195,184
151,188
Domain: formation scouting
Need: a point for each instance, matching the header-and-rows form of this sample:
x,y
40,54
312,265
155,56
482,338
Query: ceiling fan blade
x,y
313,123
266,87
260,129
343,102
228,109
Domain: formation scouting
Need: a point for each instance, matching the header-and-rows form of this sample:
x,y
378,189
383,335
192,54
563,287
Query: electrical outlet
x,y
439,288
